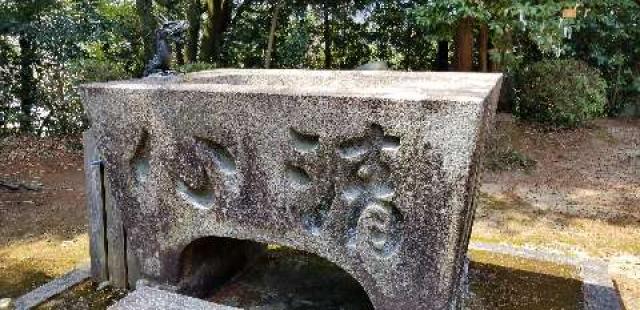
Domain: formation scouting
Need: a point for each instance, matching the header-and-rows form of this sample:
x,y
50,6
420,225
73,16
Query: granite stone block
x,y
375,171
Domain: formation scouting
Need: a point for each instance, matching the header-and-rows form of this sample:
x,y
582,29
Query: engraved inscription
x,y
304,143
218,154
312,193
297,176
199,162
374,220
379,222
354,150
140,165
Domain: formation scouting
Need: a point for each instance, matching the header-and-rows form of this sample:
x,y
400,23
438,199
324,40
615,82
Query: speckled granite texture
x,y
148,298
374,171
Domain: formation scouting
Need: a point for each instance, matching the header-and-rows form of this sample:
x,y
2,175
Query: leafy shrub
x,y
91,70
563,93
607,36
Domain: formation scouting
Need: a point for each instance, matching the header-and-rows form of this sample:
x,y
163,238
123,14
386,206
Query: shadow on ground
x,y
21,278
289,279
498,287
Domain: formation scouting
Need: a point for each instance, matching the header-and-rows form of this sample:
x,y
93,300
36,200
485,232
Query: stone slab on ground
x,y
149,298
528,253
598,289
50,289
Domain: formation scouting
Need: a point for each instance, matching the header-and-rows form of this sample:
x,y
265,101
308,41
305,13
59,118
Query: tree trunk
x,y
144,8
194,13
464,45
442,57
272,33
484,48
233,19
407,61
328,58
218,15
179,54
27,87
504,48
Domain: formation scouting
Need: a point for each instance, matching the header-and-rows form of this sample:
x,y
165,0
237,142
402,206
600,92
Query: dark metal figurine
x,y
170,31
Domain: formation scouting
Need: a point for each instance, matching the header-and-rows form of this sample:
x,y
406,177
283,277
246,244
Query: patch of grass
x,y
511,219
85,296
21,277
491,202
524,264
31,263
509,159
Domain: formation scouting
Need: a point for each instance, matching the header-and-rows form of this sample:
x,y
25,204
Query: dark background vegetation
x,y
48,47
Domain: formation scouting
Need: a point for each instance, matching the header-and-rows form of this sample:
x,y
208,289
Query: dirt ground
x,y
576,192
42,227
573,191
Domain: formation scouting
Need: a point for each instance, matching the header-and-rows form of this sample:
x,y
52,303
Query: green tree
x,y
455,19
20,19
48,43
217,23
195,9
148,24
607,36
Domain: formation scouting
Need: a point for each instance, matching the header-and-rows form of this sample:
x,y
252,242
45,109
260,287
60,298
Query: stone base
x,y
148,298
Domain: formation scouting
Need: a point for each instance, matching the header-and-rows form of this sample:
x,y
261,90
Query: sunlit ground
x,y
27,264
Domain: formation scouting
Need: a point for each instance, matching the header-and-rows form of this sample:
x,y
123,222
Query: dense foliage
x,y
608,37
48,47
564,93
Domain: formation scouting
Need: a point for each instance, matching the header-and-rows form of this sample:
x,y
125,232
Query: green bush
x,y
563,93
92,70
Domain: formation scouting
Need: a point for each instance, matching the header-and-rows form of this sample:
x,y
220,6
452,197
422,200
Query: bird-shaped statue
x,y
160,63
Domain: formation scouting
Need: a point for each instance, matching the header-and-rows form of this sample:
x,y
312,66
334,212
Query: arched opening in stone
x,y
249,274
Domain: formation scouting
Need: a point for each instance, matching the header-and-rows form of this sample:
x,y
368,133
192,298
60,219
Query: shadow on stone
x,y
280,278
208,263
284,278
291,279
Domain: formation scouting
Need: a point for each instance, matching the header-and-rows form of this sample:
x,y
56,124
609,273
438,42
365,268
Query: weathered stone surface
x,y
374,171
148,298
52,288
95,198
